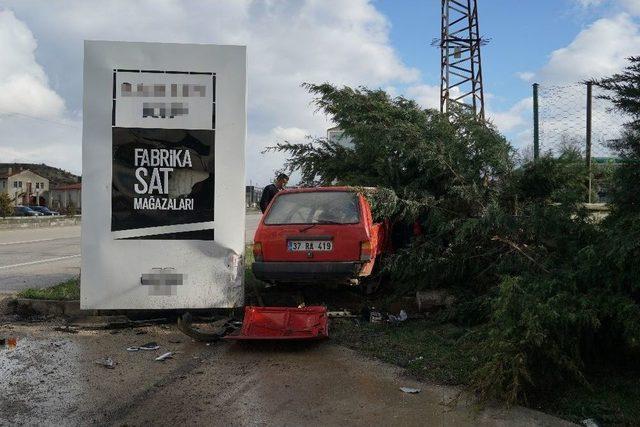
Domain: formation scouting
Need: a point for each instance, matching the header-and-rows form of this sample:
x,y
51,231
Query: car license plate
x,y
310,245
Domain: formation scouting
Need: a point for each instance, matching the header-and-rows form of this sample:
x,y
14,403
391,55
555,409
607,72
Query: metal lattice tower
x,y
461,67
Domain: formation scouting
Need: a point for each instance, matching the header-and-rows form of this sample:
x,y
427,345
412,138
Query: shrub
x,y
6,205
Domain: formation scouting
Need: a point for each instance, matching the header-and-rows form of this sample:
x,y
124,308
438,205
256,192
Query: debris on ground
x,y
340,314
590,422
107,362
128,324
375,316
67,328
282,323
165,356
410,390
11,342
401,317
434,299
215,331
148,347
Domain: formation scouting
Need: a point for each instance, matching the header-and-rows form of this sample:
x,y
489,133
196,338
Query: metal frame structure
x,y
461,66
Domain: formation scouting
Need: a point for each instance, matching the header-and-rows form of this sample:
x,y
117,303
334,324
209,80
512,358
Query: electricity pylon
x,y
461,66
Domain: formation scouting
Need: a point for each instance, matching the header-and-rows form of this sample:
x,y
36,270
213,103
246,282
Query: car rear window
x,y
319,207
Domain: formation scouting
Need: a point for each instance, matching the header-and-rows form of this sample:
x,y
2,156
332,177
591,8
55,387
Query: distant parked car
x,y
25,211
44,210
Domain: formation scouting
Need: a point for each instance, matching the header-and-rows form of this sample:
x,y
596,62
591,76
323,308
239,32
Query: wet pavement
x,y
51,378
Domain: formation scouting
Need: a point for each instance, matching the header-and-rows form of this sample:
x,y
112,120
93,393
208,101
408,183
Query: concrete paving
x,y
51,378
42,257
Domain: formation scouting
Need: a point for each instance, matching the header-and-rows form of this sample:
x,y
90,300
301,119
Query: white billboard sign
x,y
164,129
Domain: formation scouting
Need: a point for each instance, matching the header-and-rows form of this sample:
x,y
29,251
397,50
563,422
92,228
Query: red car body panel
x,y
346,259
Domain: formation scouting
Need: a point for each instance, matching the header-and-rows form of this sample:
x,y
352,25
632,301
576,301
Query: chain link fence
x,y
563,119
576,115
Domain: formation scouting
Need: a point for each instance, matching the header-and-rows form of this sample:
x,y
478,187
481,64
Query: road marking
x,y
36,241
39,262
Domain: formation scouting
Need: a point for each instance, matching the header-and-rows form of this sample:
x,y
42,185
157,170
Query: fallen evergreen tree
x,y
554,291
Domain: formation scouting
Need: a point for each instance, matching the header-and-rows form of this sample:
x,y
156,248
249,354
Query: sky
x,y
374,43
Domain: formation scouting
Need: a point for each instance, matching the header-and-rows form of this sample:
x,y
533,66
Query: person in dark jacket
x,y
271,190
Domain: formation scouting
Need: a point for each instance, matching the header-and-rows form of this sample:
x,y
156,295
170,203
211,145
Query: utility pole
x,y
588,136
536,123
461,64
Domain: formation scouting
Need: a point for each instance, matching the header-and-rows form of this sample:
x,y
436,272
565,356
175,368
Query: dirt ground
x,y
51,378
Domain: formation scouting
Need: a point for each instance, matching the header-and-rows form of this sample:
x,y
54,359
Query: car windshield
x,y
317,207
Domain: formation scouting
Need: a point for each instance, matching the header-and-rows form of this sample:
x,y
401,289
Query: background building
x,y
30,184
335,134
23,186
62,197
253,195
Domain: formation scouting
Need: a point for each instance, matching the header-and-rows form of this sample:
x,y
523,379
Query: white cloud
x,y
631,6
289,42
599,50
24,88
589,3
525,76
514,118
426,95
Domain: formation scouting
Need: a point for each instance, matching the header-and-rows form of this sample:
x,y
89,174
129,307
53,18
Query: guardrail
x,y
18,222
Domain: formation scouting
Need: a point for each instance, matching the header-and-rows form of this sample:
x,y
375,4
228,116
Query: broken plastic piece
x,y
401,317
410,390
375,316
12,342
341,313
164,356
107,362
283,323
149,346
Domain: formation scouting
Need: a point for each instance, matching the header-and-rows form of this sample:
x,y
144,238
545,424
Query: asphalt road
x,y
42,257
36,258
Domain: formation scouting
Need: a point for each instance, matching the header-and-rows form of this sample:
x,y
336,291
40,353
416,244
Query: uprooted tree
x,y
553,290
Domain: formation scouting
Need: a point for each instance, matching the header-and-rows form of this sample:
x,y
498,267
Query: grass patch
x,y
448,354
614,399
431,351
65,291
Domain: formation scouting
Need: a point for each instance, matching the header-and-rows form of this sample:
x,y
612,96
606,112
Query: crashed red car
x,y
317,234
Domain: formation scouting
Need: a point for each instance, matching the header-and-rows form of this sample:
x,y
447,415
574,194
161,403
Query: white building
x,y
335,134
24,187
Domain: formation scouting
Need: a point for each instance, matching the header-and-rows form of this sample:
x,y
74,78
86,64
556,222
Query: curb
x,y
45,307
26,307
24,222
